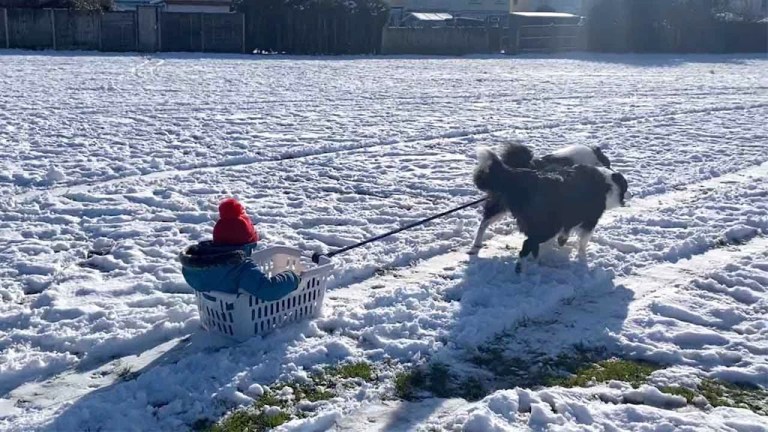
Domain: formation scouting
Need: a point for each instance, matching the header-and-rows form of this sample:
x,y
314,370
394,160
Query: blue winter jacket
x,y
207,267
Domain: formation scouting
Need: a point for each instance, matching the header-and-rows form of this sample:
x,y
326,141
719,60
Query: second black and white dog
x,y
550,196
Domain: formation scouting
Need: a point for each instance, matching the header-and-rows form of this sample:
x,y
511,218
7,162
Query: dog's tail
x,y
490,171
516,155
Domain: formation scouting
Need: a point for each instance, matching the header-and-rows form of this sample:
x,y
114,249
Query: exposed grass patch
x,y
270,399
249,420
719,393
125,373
312,393
408,383
321,388
438,380
633,372
473,389
203,425
536,369
687,393
362,370
256,419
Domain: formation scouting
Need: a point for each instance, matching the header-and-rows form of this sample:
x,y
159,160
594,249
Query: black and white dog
x,y
520,156
551,199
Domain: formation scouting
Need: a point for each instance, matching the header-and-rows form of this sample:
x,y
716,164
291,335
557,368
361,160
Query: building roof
x,y
545,15
126,5
431,16
199,2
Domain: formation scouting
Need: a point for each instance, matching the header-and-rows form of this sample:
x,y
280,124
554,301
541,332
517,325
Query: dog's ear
x,y
620,181
601,157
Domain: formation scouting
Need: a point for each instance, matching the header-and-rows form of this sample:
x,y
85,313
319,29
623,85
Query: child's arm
x,y
256,283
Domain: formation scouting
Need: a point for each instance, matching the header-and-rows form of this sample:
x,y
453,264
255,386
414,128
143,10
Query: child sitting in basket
x,y
224,264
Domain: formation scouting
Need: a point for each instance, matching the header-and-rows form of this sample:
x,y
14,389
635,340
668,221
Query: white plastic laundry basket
x,y
241,315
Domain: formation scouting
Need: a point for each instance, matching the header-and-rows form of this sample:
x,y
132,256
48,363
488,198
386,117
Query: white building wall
x,y
461,7
748,7
197,8
569,6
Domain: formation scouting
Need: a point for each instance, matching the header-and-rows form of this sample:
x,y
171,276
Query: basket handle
x,y
209,297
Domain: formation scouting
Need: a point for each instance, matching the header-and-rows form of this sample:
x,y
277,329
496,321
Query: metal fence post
x,y
53,27
101,36
159,30
7,32
202,32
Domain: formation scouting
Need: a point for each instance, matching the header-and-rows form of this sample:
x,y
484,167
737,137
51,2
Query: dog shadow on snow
x,y
515,330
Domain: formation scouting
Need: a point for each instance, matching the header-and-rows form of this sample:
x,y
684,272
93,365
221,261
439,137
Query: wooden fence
x,y
549,38
148,29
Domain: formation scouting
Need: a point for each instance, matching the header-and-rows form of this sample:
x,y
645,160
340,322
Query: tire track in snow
x,y
365,146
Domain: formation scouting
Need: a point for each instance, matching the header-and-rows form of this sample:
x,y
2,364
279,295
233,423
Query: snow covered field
x,y
112,164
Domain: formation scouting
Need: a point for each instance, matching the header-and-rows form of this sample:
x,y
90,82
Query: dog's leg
x,y
492,211
585,234
478,243
530,247
584,238
524,251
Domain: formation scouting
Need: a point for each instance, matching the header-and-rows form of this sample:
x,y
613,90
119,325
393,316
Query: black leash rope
x,y
316,256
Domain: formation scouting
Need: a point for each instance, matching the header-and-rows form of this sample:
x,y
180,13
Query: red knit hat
x,y
234,226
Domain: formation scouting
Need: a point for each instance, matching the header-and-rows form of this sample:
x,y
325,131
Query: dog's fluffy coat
x,y
549,196
516,155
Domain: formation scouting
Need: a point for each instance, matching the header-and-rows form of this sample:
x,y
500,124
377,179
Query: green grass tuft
x,y
408,383
312,393
687,393
248,420
629,371
719,393
125,373
439,380
473,389
269,399
362,370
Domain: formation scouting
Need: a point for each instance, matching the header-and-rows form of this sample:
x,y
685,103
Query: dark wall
x,y
223,33
201,32
77,30
146,30
119,32
30,28
3,40
436,41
